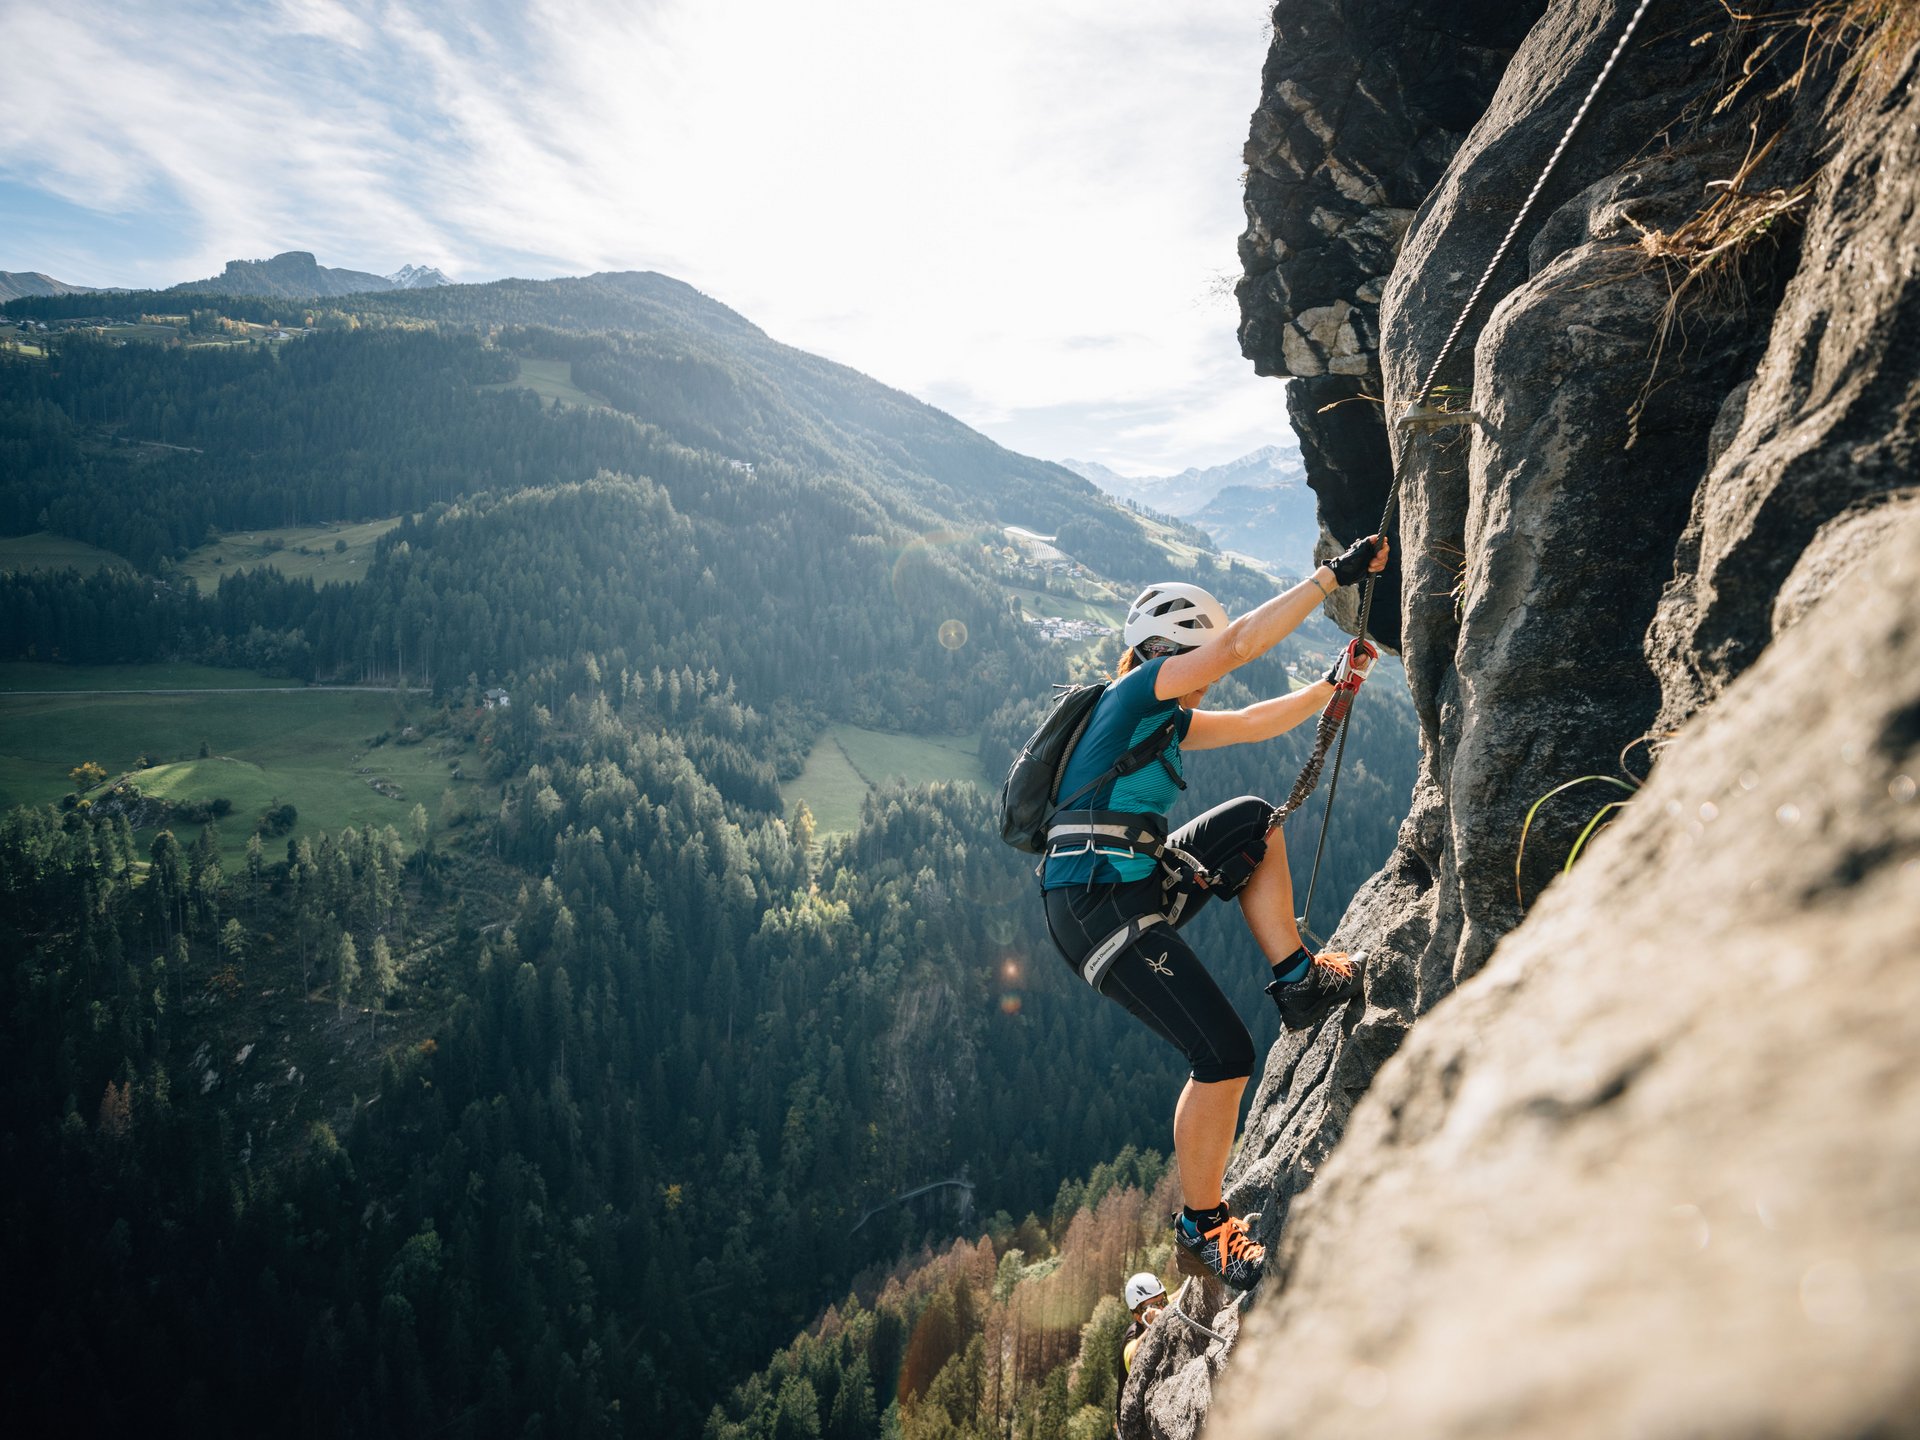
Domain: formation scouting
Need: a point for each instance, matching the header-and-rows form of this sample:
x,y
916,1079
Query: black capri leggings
x,y
1158,978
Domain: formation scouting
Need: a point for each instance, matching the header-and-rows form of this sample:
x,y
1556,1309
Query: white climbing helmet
x,y
1184,614
1142,1287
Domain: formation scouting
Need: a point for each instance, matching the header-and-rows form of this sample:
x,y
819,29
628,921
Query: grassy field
x,y
153,330
43,551
847,762
1069,607
551,380
247,550
154,333
17,675
21,342
310,748
1185,555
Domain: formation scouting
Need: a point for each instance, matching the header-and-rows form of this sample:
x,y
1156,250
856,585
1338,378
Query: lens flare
x,y
920,577
953,634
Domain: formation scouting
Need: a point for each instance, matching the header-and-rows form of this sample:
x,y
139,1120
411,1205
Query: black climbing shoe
x,y
1331,980
1225,1252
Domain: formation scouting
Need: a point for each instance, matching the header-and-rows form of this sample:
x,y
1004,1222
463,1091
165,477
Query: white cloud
x,y
1016,209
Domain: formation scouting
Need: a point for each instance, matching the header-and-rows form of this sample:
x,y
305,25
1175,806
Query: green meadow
x,y
1069,607
154,334
551,380
16,341
848,762
296,551
19,675
311,748
42,551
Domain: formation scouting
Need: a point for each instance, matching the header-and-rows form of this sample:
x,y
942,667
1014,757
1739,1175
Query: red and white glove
x,y
1353,666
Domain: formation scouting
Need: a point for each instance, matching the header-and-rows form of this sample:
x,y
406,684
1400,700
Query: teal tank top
x,y
1125,715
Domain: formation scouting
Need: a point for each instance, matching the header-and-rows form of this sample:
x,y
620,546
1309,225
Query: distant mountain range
x,y
1275,523
1192,489
1258,505
291,275
296,275
15,283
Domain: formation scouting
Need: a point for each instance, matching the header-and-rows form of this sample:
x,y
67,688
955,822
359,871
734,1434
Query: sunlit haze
x,y
1022,212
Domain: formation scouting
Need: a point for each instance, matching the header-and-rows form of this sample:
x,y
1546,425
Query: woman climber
x,y
1117,886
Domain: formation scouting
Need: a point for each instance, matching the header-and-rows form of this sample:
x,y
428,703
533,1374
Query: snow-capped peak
x,y
416,277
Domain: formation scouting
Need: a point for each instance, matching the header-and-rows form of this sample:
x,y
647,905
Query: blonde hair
x,y
1128,659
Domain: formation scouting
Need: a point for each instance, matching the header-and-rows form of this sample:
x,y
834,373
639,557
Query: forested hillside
x,y
457,1126
1015,1336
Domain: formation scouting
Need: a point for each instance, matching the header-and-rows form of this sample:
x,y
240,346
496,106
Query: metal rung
x,y
1432,417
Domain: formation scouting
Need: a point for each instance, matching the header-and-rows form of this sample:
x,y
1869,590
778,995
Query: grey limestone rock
x,y
1656,1171
1171,1385
1362,105
1828,430
1632,1150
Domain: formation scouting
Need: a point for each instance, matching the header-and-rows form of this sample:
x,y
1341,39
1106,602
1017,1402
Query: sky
x,y
1022,211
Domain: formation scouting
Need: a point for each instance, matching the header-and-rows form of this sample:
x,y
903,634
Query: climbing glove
x,y
1356,661
1350,565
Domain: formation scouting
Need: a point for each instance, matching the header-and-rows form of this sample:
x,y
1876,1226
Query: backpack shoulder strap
x,y
1153,748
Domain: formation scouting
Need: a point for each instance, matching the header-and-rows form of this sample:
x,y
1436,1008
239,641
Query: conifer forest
x,y
574,1095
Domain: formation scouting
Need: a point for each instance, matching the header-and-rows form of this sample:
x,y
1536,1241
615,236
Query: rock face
x,y
1655,1169
1362,106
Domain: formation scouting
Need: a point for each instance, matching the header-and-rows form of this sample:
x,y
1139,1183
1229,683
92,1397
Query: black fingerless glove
x,y
1332,677
1350,565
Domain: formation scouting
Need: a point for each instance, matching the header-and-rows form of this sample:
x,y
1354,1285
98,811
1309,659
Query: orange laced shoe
x,y
1332,979
1226,1252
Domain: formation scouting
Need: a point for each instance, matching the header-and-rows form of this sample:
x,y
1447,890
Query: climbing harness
x,y
1180,874
1419,416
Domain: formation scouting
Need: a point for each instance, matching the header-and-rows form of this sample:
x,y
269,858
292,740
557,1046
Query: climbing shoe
x,y
1226,1252
1331,980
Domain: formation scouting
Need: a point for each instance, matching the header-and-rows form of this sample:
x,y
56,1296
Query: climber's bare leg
x,y
1203,1125
1267,902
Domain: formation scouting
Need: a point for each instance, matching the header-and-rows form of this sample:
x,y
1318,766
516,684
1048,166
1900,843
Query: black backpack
x,y
1031,797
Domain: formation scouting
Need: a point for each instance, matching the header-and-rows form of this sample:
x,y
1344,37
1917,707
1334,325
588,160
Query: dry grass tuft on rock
x,y
1703,255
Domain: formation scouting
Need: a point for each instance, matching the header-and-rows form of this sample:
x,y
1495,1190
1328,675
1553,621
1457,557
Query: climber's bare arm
x,y
1211,729
1253,634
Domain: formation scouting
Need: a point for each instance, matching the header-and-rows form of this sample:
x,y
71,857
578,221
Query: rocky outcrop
x,y
1362,106
1655,1170
296,275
